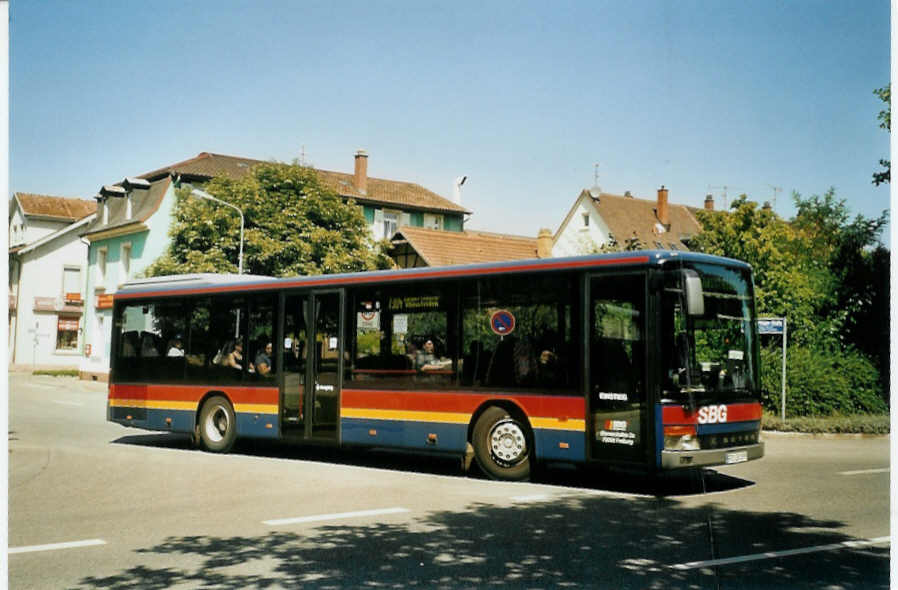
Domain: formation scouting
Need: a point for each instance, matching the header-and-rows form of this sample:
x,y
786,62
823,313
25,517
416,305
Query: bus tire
x,y
502,445
218,425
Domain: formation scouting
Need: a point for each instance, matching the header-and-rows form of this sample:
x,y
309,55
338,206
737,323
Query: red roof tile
x,y
380,191
64,208
447,248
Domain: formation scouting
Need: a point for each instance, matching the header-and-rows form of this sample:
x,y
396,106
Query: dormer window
x,y
128,206
105,211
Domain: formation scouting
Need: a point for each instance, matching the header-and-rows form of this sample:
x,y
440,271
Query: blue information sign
x,y
771,326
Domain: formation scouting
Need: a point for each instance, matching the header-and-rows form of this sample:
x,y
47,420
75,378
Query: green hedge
x,y
860,424
821,382
56,372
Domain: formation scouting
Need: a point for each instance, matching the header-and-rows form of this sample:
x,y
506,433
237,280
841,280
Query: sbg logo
x,y
712,414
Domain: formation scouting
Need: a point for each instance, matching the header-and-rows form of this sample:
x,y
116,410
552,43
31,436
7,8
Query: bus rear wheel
x,y
218,425
502,445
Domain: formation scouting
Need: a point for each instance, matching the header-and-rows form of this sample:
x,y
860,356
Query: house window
x,y
433,221
105,211
67,333
128,207
101,267
71,283
391,224
126,261
586,220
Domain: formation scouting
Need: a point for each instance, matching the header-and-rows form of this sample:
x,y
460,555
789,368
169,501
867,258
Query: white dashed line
x,y
777,554
531,498
337,516
55,546
865,471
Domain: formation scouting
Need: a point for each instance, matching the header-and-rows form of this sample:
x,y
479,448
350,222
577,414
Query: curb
x,y
825,435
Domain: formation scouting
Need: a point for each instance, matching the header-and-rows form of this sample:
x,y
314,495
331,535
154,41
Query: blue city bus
x,y
643,360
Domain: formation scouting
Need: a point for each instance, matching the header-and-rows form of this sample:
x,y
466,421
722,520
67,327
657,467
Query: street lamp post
x,y
204,195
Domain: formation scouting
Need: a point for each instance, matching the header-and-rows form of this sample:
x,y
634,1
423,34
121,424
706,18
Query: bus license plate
x,y
737,457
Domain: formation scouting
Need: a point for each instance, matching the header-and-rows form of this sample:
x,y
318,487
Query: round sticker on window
x,y
502,322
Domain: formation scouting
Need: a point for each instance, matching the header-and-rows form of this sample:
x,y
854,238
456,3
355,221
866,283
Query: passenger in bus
x,y
176,348
427,360
263,360
231,355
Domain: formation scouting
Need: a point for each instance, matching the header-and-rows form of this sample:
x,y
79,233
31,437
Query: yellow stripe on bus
x,y
256,408
444,417
453,418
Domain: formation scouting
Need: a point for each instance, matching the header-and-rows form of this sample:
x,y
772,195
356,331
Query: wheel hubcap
x,y
217,424
508,445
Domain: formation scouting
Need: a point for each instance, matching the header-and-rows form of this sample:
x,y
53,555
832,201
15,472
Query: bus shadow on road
x,y
678,483
578,542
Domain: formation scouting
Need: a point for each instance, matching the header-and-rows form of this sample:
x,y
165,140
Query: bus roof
x,y
195,284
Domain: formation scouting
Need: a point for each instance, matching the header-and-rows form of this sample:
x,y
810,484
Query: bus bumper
x,y
730,456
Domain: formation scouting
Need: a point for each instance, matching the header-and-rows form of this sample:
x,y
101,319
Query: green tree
x,y
885,121
293,226
828,274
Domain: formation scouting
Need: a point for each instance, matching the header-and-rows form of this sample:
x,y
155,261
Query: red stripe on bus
x,y
324,281
460,402
735,413
193,393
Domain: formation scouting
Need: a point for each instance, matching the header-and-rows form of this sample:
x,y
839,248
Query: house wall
x,y
146,247
34,335
576,238
375,219
36,229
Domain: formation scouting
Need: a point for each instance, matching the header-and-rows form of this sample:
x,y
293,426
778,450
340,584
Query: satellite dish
x,y
595,191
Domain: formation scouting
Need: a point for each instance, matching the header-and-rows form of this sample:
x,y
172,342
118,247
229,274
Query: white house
x,y
47,274
599,219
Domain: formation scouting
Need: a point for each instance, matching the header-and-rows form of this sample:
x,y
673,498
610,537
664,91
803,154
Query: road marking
x,y
65,403
777,554
531,498
55,546
337,516
865,471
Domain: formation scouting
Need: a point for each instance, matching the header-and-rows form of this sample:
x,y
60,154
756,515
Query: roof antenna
x,y
595,191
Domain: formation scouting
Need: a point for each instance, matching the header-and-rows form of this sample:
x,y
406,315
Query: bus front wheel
x,y
502,445
218,425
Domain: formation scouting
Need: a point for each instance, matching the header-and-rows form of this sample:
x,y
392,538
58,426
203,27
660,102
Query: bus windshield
x,y
709,333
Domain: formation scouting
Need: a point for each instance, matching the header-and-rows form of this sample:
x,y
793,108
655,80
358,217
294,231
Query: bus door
x,y
312,365
617,367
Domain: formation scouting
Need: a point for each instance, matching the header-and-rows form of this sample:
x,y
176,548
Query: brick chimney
x,y
544,243
662,210
360,180
709,203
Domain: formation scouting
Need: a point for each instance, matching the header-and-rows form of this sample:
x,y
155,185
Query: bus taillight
x,y
680,438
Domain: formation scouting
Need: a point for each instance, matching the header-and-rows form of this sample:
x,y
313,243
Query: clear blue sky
x,y
523,98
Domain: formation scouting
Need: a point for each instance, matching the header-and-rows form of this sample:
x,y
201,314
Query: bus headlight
x,y
680,438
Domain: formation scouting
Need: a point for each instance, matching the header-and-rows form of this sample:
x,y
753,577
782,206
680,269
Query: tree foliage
x,y
885,122
293,226
825,271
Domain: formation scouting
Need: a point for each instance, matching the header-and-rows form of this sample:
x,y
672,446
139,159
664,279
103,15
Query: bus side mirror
x,y
695,298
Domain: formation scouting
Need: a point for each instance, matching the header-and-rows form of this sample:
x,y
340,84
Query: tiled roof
x,y
447,248
64,208
380,191
629,217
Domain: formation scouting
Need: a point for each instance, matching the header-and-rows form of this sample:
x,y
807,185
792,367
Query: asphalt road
x,y
142,510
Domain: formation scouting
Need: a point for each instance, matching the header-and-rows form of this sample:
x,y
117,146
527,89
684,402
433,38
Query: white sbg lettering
x,y
712,414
